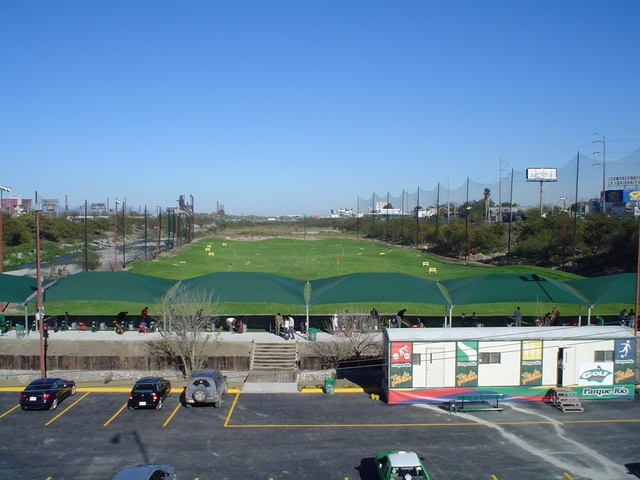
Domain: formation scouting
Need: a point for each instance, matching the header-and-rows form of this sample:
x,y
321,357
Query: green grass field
x,y
314,259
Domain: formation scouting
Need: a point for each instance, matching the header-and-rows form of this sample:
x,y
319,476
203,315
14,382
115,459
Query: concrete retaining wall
x,y
104,362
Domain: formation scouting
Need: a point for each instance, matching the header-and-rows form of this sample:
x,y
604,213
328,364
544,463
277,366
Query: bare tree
x,y
187,323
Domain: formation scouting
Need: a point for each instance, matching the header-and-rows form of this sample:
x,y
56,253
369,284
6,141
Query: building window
x,y
489,357
415,359
603,356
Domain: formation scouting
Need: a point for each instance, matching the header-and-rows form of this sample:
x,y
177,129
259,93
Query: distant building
x,y
16,205
344,213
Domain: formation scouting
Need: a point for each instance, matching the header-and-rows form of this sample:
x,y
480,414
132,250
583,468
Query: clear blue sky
x,y
298,107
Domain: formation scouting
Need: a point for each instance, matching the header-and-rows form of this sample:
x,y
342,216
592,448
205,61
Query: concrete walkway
x,y
134,336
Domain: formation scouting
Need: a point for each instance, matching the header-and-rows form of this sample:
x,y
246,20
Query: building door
x,y
566,366
434,367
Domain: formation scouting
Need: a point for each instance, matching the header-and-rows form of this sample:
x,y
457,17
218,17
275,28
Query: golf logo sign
x,y
596,373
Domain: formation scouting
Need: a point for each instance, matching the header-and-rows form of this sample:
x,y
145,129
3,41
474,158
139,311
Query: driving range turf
x,y
312,259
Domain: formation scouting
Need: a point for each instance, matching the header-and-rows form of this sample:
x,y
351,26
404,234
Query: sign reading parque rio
x,y
606,392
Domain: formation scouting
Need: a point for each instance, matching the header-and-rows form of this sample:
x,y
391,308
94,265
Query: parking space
x,y
315,436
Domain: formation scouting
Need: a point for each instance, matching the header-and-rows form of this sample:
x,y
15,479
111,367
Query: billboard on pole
x,y
542,174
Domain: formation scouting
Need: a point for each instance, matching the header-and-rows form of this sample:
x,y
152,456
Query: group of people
x,y
285,326
473,320
121,319
237,325
551,318
627,319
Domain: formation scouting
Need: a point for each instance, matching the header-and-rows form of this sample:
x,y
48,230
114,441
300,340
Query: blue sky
x,y
300,107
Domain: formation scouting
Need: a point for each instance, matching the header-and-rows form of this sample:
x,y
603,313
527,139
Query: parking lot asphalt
x,y
315,436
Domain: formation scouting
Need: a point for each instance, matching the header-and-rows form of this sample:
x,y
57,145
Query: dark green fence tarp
x,y
249,287
617,288
376,287
112,286
15,289
353,288
509,288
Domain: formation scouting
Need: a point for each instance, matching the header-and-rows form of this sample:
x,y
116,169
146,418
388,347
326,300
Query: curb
x,y
342,390
107,389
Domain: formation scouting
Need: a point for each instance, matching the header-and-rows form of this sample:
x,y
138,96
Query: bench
x,y
477,402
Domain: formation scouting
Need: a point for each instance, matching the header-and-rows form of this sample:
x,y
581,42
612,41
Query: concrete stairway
x,y
273,363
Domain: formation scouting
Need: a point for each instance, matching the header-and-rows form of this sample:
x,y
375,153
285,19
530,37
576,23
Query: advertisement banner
x,y
595,374
401,375
615,196
401,371
612,196
531,363
624,363
467,364
401,352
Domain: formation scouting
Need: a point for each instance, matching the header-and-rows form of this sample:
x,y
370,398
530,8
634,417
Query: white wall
x,y
449,363
505,373
584,354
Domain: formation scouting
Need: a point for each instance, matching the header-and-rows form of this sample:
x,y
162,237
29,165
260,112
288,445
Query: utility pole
x,y
510,219
575,216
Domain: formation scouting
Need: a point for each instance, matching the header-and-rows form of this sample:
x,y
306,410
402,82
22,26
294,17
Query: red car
x,y
46,394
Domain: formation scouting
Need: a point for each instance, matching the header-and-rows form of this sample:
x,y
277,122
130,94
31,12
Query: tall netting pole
x,y
435,240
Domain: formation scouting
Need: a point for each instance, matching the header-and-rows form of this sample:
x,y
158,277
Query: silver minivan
x,y
205,386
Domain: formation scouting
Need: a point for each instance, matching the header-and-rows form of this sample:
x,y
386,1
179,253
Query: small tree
x,y
358,336
187,323
487,213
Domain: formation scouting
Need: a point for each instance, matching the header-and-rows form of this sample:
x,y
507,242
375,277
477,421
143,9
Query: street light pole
x,y
468,236
39,312
115,235
564,199
2,190
145,233
124,243
499,217
158,226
